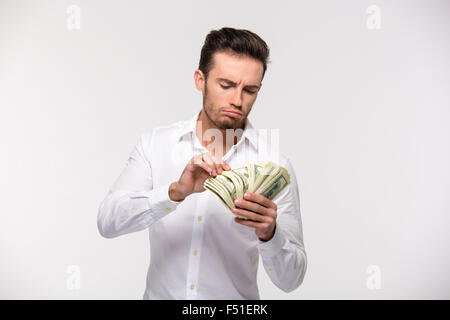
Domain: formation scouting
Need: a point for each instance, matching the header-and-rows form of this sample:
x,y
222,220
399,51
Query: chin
x,y
231,124
224,124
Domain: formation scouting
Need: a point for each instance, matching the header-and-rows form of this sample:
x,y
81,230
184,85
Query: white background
x,y
363,113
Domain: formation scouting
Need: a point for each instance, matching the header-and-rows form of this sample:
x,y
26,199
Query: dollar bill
x,y
267,179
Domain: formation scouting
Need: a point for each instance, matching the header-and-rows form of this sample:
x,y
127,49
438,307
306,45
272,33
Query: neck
x,y
208,143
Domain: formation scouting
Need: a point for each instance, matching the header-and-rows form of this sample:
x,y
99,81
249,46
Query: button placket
x,y
196,245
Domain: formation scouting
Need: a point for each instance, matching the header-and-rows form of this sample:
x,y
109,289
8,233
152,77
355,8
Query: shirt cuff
x,y
160,202
271,248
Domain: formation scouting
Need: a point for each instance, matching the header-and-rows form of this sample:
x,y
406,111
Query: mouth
x,y
233,113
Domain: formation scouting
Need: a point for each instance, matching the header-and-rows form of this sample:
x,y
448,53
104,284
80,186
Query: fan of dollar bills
x,y
268,180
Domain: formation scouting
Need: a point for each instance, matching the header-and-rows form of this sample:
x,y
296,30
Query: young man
x,y
199,250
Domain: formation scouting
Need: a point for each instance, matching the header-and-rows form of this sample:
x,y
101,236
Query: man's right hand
x,y
195,173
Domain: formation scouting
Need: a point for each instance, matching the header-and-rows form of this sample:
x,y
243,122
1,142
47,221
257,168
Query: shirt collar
x,y
249,131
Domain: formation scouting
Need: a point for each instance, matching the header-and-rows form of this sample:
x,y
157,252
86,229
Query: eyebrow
x,y
234,83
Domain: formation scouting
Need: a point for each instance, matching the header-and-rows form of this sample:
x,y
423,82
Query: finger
x,y
247,223
225,166
208,161
221,165
251,206
205,167
197,161
260,199
218,163
212,162
251,215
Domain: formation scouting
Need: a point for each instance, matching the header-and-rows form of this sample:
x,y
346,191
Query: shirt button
x,y
168,209
262,249
192,287
270,269
199,218
195,252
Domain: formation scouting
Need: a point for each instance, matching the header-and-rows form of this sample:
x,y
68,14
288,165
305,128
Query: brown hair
x,y
239,41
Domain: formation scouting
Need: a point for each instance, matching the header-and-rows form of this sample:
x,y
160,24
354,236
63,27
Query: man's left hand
x,y
261,211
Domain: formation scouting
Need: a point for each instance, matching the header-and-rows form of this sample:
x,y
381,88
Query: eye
x,y
246,90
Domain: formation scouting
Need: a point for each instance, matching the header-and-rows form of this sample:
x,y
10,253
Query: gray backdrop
x,y
360,91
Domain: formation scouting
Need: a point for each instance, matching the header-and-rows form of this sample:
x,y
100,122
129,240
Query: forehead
x,y
236,68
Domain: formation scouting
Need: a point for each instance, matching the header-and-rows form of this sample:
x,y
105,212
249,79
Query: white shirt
x,y
197,250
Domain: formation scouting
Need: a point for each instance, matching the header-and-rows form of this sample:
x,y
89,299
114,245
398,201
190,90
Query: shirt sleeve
x,y
284,256
132,204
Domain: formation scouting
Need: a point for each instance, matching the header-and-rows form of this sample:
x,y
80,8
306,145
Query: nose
x,y
237,98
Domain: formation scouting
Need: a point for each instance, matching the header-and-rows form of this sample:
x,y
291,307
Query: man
x,y
199,250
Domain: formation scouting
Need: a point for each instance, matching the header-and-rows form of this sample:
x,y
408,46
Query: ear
x,y
199,79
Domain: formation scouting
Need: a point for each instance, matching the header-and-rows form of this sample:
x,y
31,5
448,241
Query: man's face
x,y
231,89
